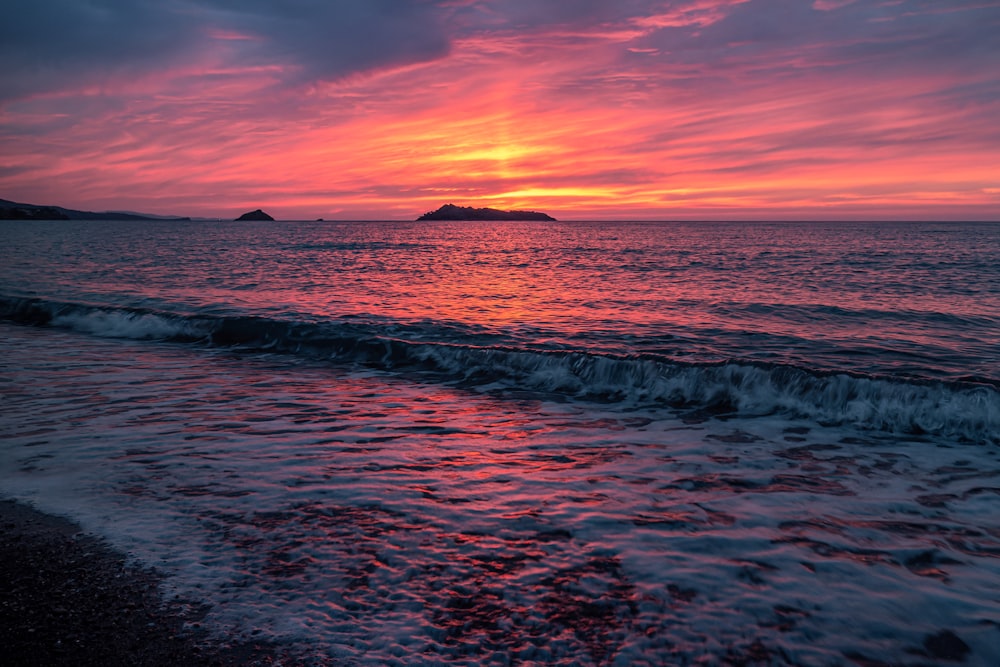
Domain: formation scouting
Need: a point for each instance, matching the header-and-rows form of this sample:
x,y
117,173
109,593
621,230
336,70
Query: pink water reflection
x,y
361,516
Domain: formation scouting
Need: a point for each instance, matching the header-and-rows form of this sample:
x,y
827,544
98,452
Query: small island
x,y
255,215
452,212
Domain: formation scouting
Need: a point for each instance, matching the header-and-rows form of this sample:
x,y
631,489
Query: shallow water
x,y
368,518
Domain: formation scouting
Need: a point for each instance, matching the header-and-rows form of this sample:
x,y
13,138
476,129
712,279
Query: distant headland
x,y
255,215
10,210
452,212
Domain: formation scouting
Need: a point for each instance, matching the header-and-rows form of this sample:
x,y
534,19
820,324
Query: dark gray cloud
x,y
45,44
790,34
533,14
48,44
328,40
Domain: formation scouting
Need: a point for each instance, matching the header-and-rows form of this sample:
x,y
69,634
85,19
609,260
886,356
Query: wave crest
x,y
966,410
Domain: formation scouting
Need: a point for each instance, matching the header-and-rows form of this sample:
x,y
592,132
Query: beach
x,y
68,598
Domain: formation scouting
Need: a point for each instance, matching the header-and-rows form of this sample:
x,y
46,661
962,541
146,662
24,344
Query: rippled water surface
x,y
905,298
633,444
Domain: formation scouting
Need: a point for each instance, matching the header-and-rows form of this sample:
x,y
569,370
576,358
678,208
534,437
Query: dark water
x,y
580,443
920,300
755,315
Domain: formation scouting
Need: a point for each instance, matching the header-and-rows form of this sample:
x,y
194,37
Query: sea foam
x,y
966,410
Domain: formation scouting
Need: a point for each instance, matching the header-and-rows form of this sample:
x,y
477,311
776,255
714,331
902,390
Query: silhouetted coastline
x,y
10,210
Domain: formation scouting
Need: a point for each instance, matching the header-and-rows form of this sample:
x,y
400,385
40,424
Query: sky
x,y
585,109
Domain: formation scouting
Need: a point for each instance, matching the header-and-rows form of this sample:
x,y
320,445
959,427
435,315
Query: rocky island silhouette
x,y
452,212
256,214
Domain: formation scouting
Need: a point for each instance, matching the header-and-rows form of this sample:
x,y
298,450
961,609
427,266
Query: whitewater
x,y
537,443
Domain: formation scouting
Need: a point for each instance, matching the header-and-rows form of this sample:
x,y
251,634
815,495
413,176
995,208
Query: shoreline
x,y
69,598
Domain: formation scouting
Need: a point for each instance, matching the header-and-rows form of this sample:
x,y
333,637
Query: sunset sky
x,y
586,109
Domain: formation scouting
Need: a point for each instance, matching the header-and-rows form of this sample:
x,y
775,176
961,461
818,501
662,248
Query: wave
x,y
965,410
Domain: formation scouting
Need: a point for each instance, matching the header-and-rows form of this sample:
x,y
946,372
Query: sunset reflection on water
x,y
371,517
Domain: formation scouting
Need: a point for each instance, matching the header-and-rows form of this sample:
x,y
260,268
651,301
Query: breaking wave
x,y
965,410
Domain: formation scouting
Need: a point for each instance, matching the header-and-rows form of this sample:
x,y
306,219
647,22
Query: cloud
x,y
534,15
325,40
586,103
46,45
830,5
908,34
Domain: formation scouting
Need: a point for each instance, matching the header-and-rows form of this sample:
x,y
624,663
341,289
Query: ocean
x,y
621,443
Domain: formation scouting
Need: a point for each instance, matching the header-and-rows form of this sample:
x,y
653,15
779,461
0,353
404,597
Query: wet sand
x,y
67,598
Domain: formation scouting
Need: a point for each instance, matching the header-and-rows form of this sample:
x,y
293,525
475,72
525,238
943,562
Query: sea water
x,y
537,443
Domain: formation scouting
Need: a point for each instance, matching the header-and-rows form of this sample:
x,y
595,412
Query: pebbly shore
x,y
68,598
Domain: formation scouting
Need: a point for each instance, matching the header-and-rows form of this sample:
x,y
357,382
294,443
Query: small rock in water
x,y
946,645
